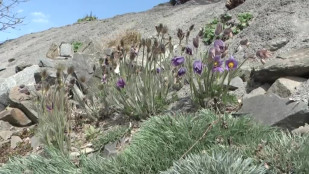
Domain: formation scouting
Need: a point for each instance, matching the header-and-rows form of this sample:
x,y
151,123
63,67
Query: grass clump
x,y
217,163
162,140
127,38
243,146
89,17
111,135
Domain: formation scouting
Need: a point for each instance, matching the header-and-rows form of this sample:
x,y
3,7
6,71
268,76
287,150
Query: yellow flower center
x,y
231,65
216,64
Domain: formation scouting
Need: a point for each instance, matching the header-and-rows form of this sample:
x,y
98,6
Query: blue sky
x,y
44,14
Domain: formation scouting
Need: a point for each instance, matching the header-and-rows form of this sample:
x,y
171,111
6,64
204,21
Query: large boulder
x,y
83,65
24,102
286,86
270,109
25,77
15,117
296,63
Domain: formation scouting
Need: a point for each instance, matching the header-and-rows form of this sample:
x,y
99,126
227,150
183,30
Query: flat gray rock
x,y
272,110
296,64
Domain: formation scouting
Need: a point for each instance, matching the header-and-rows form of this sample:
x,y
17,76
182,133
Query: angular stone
x,y
82,65
277,44
15,117
5,125
46,63
236,83
255,92
53,51
302,129
14,141
295,64
2,107
270,109
23,102
35,142
110,149
5,135
22,66
66,50
25,77
285,86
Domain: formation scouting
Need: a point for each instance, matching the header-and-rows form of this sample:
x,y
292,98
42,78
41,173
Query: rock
x,y
23,102
35,142
25,77
295,64
87,150
5,125
230,4
258,91
51,76
277,44
236,83
2,68
108,51
270,109
66,50
53,51
15,117
46,63
5,135
110,149
302,130
22,66
2,107
83,65
14,141
285,86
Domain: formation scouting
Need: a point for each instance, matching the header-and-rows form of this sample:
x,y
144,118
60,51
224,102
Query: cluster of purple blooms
x,y
215,53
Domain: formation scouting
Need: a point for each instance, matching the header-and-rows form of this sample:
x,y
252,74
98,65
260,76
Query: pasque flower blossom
x,y
231,64
176,61
198,67
120,83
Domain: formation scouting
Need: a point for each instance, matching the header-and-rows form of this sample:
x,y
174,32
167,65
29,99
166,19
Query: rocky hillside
x,y
283,21
272,87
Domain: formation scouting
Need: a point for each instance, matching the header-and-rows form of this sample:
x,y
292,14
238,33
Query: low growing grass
x,y
162,140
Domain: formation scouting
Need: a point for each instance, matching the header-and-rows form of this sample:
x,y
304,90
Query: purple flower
x,y
217,64
120,83
176,61
188,51
182,71
231,63
158,70
219,45
198,67
50,108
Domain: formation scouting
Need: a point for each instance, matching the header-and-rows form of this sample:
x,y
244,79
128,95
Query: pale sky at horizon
x,y
41,15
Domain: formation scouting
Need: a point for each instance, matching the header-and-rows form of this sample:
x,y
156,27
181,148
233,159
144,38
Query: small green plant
x,y
228,29
243,19
76,45
91,132
209,32
89,17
